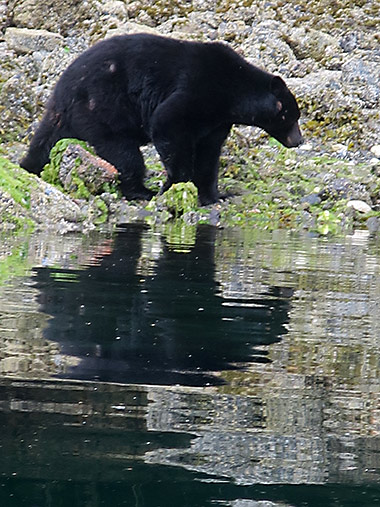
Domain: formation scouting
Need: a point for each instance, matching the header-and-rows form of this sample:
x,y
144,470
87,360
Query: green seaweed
x,y
179,199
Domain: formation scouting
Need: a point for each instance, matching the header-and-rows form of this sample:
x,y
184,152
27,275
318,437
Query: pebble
x,y
360,206
306,147
375,150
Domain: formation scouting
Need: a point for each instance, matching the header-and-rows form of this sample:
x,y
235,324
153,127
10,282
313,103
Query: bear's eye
x,y
283,116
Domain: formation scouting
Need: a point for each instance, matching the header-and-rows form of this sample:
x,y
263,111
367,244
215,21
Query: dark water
x,y
189,367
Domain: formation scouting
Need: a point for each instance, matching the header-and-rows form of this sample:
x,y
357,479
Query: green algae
x,y
179,199
271,187
16,182
268,187
15,185
275,187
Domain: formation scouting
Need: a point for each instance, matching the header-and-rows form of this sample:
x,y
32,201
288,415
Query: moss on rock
x,y
51,170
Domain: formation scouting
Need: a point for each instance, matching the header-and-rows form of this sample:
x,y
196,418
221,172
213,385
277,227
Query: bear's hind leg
x,y
48,132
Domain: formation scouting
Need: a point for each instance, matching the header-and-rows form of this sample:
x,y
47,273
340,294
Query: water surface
x,y
189,368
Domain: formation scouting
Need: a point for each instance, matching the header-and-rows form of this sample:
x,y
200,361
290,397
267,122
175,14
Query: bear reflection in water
x,y
170,326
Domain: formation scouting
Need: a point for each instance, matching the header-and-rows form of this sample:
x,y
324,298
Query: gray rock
x,y
349,42
311,199
16,97
362,78
50,207
266,48
376,150
373,224
308,43
24,40
64,17
130,28
344,188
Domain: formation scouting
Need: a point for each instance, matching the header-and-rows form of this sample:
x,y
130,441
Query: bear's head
x,y
280,118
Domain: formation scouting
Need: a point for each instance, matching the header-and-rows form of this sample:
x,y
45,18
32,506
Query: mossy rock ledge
x,y
28,202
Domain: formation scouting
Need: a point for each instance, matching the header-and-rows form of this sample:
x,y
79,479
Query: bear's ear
x,y
277,86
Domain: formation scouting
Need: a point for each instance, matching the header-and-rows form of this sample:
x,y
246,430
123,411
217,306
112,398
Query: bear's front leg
x,y
206,166
173,139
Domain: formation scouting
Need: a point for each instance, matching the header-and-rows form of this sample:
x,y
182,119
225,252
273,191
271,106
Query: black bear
x,y
182,96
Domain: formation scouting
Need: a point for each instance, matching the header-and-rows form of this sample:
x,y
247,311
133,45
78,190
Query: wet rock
x,y
26,200
24,40
344,188
191,217
51,207
330,64
307,220
214,216
337,188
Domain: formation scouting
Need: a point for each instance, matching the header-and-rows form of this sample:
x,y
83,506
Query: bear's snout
x,y
294,137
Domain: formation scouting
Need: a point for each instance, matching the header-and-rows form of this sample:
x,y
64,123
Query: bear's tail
x,y
49,131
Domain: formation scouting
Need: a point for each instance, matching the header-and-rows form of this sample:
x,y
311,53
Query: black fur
x,y
182,96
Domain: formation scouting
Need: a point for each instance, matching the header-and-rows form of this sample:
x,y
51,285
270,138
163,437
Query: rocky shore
x,y
328,53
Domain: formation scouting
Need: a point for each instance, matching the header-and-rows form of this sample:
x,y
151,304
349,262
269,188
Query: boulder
x,y
25,40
